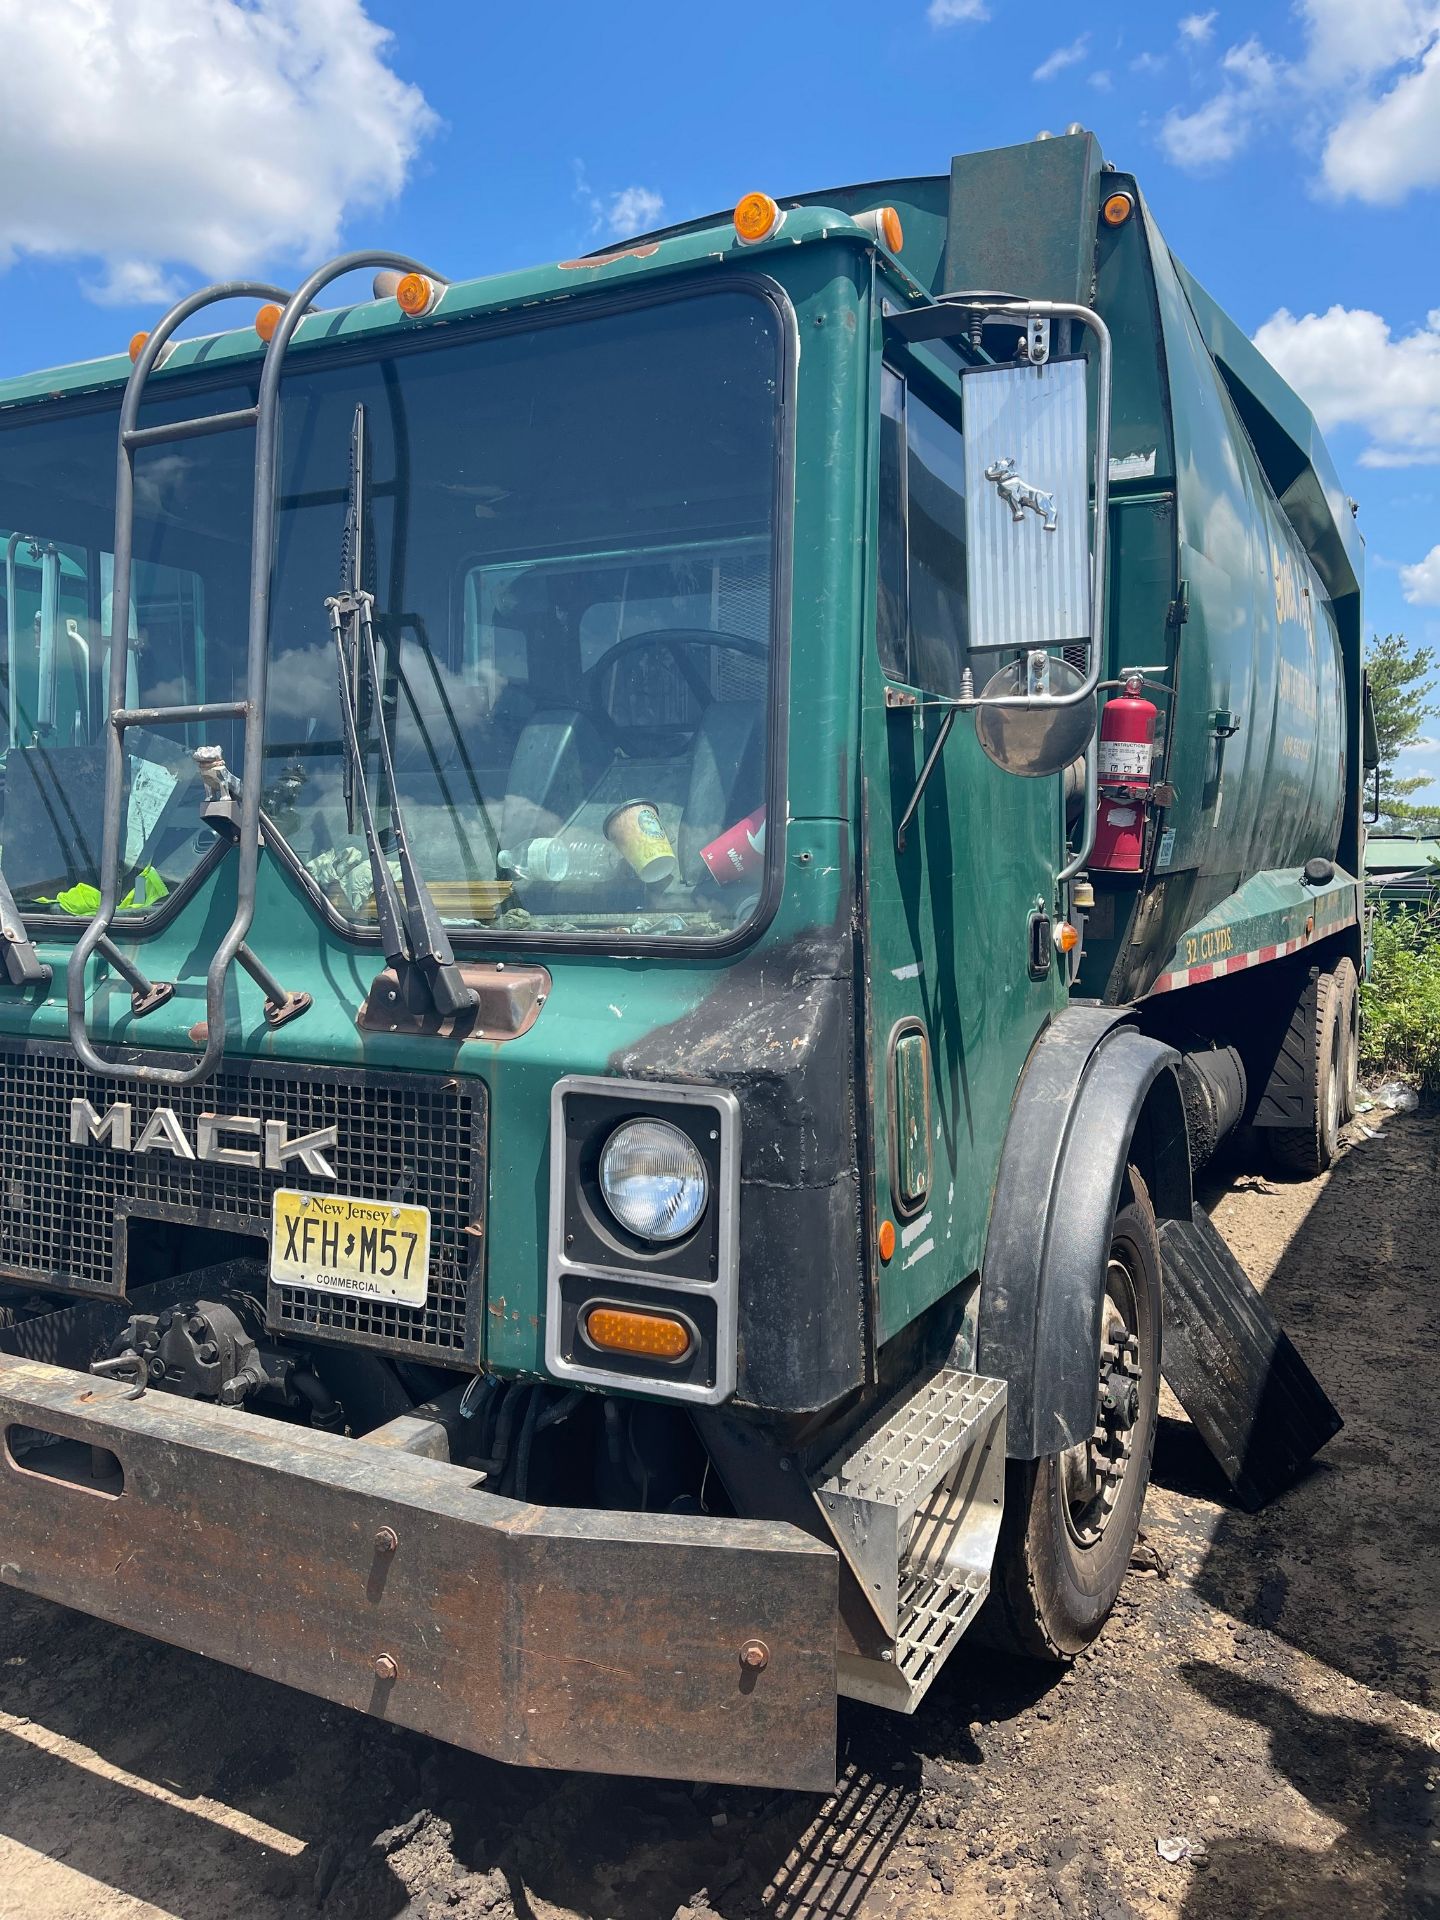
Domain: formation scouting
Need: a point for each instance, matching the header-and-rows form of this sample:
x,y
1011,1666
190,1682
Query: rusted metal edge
x,y
389,1583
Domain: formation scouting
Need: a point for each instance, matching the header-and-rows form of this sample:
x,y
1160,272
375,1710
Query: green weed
x,y
1400,1002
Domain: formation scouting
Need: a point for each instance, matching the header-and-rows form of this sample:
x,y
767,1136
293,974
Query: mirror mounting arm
x,y
937,747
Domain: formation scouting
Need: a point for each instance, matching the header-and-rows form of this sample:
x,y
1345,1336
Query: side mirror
x,y
1036,576
1027,506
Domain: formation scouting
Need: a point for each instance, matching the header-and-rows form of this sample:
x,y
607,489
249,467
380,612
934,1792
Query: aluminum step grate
x,y
913,1500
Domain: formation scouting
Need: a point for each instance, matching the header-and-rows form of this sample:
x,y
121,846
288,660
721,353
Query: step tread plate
x,y
911,1443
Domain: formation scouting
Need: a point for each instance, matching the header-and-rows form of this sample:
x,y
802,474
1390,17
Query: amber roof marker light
x,y
757,217
137,347
416,294
884,224
1117,209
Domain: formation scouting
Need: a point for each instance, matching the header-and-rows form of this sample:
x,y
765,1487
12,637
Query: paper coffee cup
x,y
635,830
738,851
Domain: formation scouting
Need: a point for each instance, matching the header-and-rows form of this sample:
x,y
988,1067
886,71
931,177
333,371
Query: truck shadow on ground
x,y
1355,1540
1371,1782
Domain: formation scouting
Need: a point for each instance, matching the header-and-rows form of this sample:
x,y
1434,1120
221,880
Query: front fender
x,y
1095,1094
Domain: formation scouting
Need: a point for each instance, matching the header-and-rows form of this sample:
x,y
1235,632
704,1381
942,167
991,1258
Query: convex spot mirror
x,y
1038,740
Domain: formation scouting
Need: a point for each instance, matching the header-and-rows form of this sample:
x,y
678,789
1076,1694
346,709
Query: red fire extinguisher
x,y
1123,757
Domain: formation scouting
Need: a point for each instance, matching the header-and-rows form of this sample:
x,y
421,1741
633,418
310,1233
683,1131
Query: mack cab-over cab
x,y
629,891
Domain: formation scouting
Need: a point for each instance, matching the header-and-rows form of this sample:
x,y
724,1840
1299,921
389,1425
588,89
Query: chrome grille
x,y
63,1209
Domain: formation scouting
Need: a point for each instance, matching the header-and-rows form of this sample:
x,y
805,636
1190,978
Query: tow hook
x,y
134,1364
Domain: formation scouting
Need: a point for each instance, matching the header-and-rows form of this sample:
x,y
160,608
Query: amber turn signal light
x,y
757,216
651,1336
1067,937
886,1237
1117,209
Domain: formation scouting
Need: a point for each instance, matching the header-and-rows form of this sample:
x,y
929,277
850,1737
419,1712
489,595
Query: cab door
x,y
953,1000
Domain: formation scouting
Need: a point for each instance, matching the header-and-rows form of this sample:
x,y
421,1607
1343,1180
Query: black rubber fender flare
x,y
1095,1094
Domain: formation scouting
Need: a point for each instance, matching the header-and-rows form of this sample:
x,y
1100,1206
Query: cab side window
x,y
921,616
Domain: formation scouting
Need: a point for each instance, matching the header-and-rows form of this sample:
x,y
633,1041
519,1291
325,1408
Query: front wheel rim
x,y
1093,1473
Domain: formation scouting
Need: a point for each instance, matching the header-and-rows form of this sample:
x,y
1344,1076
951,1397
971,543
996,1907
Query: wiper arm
x,y
23,966
412,933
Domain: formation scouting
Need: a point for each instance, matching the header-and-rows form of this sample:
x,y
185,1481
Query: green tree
x,y
1401,683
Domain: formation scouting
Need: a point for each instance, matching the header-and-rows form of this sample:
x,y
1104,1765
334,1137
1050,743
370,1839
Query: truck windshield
x,y
570,535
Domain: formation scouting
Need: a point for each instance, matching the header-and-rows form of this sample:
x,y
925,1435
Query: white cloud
x,y
1363,87
1420,585
1148,63
1061,58
174,139
1351,371
633,210
1197,28
132,283
1216,131
950,13
616,216
1382,149
1345,41
1102,80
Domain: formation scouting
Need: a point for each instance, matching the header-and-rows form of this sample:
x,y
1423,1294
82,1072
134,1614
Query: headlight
x,y
653,1179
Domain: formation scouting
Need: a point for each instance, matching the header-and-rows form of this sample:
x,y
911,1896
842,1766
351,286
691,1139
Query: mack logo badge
x,y
215,1138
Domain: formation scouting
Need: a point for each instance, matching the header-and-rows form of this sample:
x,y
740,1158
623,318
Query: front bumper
x,y
541,1636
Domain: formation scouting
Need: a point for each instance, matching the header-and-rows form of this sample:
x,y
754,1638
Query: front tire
x,y
1071,1518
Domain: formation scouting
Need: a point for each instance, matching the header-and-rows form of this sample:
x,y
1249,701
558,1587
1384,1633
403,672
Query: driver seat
x,y
727,777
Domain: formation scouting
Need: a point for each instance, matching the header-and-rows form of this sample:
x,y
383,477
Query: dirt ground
x,y
1266,1698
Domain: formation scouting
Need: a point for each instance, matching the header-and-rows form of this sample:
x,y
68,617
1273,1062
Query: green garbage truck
x,y
630,893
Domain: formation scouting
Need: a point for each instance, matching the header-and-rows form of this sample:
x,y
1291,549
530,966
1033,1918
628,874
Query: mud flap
x,y
1253,1400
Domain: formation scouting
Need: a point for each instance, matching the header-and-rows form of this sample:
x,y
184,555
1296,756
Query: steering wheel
x,y
676,641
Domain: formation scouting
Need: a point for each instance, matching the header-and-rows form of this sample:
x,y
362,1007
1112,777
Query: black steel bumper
x,y
542,1636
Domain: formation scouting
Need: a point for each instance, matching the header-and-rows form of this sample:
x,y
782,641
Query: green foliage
x,y
1401,683
1400,1002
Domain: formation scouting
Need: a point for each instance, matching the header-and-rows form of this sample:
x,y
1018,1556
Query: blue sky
x,y
1291,152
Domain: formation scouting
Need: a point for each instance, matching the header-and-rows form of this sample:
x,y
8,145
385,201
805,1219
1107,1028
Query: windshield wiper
x,y
23,966
412,932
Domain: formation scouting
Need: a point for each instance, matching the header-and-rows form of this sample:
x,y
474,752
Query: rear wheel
x,y
1071,1518
1347,985
1315,1049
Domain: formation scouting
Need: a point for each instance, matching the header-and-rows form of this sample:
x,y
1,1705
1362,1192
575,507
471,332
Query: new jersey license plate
x,y
341,1244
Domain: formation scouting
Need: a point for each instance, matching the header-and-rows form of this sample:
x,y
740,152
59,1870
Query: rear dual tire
x,y
1321,1051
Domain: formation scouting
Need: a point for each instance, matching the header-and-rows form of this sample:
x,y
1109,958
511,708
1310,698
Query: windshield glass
x,y
569,532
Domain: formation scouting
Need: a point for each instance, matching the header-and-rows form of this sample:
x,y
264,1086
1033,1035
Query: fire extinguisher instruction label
x,y
1123,759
